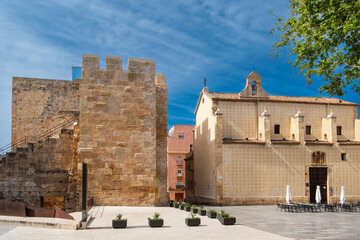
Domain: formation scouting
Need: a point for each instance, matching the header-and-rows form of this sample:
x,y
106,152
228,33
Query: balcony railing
x,y
179,186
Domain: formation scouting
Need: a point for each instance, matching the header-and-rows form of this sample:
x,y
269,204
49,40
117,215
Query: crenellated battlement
x,y
160,79
135,65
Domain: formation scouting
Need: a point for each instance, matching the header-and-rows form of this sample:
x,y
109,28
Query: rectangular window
x,y
190,147
179,182
308,130
343,157
338,130
178,160
277,129
181,136
179,172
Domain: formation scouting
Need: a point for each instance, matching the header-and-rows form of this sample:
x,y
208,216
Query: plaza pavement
x,y
253,222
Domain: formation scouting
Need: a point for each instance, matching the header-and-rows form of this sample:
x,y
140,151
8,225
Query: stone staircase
x,y
42,171
23,142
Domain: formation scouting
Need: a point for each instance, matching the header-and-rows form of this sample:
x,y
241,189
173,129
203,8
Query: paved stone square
x,y
323,225
253,222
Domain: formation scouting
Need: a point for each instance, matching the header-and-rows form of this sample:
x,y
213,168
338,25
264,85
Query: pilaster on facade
x,y
329,128
357,129
298,127
264,127
218,156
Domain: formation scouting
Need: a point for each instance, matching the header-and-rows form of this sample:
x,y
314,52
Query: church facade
x,y
248,146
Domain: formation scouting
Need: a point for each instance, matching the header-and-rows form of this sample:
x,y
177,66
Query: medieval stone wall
x,y
122,139
121,134
41,104
161,140
42,172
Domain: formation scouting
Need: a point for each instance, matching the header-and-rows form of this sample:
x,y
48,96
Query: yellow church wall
x,y
204,157
258,174
240,118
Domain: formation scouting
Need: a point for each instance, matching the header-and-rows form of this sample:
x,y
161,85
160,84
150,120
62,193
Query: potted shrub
x,y
192,220
187,207
227,220
182,206
171,203
156,221
176,204
119,222
211,214
194,209
222,214
202,211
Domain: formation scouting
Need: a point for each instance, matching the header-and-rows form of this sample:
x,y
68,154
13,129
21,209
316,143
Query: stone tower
x,y
123,124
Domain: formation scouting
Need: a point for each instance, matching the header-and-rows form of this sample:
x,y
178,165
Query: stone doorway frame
x,y
329,181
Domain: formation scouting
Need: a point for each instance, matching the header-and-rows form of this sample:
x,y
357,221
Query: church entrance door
x,y
318,176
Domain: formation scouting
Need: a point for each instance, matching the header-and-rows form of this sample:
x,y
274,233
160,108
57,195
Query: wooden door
x,y
179,196
318,176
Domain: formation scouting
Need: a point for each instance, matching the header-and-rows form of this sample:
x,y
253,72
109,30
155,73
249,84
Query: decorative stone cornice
x,y
299,114
218,112
331,115
265,113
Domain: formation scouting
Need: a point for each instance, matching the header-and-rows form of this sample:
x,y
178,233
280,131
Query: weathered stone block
x,y
113,63
90,62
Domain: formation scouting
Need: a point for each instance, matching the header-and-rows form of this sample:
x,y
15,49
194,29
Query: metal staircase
x,y
33,139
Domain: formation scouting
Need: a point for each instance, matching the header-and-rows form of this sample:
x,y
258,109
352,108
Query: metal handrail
x,y
27,139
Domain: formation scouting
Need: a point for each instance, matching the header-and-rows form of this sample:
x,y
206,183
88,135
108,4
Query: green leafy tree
x,y
324,36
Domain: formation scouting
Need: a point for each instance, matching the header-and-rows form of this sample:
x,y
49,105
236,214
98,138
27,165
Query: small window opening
x,y
293,137
343,157
308,130
191,147
325,136
277,129
338,130
181,136
253,88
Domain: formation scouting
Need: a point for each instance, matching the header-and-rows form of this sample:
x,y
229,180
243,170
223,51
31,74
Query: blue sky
x,y
220,40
